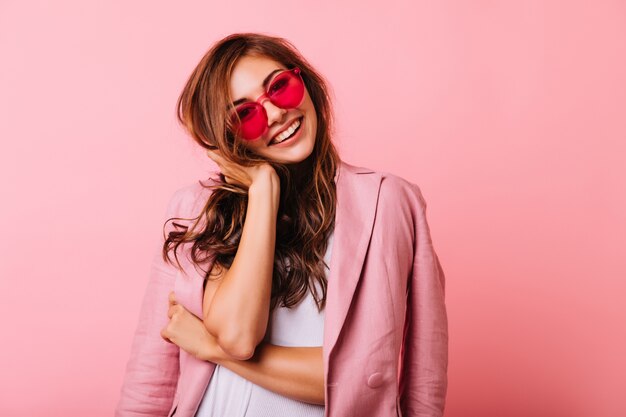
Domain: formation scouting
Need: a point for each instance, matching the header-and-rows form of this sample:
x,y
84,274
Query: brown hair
x,y
306,211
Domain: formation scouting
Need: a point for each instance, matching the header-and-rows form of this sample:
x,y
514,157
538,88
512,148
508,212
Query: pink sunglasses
x,y
286,91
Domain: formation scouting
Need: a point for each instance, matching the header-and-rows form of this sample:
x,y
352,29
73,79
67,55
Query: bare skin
x,y
236,300
295,372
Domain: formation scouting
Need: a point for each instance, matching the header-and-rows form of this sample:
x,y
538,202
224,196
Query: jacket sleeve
x,y
151,375
424,381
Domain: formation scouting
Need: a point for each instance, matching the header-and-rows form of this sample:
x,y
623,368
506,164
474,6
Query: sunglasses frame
x,y
258,103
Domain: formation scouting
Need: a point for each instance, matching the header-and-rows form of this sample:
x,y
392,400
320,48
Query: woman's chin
x,y
291,155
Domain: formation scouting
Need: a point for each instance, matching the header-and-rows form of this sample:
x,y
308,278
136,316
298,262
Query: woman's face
x,y
247,83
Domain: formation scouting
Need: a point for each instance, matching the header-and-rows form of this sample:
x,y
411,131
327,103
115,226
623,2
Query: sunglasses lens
x,y
287,90
253,121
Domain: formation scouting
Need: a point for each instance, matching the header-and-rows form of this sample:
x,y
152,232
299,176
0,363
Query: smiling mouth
x,y
274,141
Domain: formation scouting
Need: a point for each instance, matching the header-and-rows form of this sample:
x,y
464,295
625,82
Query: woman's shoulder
x,y
393,187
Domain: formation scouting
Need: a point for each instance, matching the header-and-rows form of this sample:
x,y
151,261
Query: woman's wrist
x,y
211,352
264,185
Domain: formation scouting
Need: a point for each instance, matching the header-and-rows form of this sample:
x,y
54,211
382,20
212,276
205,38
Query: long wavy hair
x,y
308,195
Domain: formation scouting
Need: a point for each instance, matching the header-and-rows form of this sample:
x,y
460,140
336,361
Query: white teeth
x,y
287,132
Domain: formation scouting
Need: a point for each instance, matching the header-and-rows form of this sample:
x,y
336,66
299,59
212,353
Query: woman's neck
x,y
301,172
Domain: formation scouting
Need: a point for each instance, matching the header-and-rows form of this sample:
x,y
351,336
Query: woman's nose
x,y
274,113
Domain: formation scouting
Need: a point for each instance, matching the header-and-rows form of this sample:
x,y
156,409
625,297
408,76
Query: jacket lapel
x,y
357,198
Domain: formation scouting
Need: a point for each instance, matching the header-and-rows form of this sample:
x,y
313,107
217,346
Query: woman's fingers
x,y
219,161
233,173
214,157
214,154
173,305
217,158
164,334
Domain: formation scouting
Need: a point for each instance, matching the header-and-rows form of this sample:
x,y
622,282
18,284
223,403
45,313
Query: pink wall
x,y
511,116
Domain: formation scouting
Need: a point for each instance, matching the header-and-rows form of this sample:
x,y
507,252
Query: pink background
x,y
511,116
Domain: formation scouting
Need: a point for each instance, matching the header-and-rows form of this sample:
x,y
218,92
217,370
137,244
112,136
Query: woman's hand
x,y
188,332
242,175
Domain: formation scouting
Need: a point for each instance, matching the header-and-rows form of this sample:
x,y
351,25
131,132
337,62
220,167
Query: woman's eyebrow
x,y
265,81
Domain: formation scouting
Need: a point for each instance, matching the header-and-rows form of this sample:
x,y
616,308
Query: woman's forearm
x,y
238,312
295,372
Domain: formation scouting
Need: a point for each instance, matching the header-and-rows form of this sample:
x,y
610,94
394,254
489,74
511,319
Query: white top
x,y
230,395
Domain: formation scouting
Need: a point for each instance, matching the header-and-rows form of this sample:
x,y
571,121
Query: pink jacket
x,y
385,346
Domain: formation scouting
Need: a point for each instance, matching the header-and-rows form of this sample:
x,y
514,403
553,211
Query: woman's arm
x,y
236,304
295,372
424,380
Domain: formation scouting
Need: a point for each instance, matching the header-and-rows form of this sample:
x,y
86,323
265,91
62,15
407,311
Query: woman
x,y
307,286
